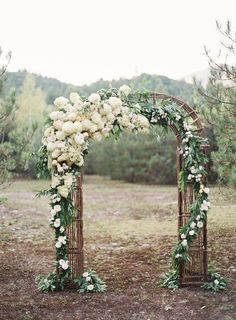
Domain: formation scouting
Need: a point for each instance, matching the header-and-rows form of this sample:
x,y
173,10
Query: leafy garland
x,y
65,144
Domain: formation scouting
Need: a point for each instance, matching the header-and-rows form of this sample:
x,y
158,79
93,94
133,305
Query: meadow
x,y
129,230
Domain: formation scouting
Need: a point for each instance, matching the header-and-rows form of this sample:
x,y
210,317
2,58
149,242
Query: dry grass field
x,y
129,232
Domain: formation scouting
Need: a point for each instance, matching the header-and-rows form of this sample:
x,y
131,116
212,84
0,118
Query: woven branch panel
x,y
193,272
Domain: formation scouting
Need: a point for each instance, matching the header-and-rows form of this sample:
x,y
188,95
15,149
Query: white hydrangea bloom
x,y
79,139
63,191
124,90
60,102
68,127
115,102
96,118
55,181
68,180
74,97
94,98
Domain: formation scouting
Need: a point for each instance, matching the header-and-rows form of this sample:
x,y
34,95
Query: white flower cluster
x,y
195,173
197,223
61,240
76,121
90,286
64,264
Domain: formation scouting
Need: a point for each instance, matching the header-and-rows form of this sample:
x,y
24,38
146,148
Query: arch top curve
x,y
189,111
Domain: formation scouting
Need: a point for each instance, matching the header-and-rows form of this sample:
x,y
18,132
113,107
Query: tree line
x,y
26,98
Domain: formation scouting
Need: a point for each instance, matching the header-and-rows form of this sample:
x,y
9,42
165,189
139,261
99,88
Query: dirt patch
x,y
131,261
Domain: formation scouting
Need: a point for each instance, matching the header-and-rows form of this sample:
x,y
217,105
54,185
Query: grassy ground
x,y
129,233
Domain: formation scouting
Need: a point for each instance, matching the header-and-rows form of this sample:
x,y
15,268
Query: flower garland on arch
x,y
72,125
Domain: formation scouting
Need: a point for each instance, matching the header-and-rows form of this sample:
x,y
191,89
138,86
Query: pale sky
x,y
81,41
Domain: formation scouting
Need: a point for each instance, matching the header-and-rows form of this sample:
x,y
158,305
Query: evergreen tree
x,y
219,106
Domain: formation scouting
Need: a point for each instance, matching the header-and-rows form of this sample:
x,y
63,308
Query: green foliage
x,y
53,281
54,88
42,163
21,121
48,284
134,158
90,282
218,105
215,281
170,280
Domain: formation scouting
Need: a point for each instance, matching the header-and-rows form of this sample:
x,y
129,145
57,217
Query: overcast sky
x,y
80,41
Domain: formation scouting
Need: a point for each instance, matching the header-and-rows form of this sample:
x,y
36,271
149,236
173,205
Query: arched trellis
x,y
193,272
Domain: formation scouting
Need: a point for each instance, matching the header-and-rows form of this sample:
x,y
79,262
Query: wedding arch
x,y
65,144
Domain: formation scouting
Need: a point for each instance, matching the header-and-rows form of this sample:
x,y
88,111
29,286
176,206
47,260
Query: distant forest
x,y
54,88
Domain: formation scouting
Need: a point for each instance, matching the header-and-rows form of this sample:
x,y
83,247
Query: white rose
x,y
57,223
216,282
184,243
62,239
63,191
65,265
124,90
115,102
192,225
62,229
74,97
94,98
191,232
200,224
60,102
206,190
53,212
58,244
182,236
90,287
85,274
57,208
88,279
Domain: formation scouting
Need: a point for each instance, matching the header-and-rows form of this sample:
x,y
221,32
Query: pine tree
x,y
219,106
